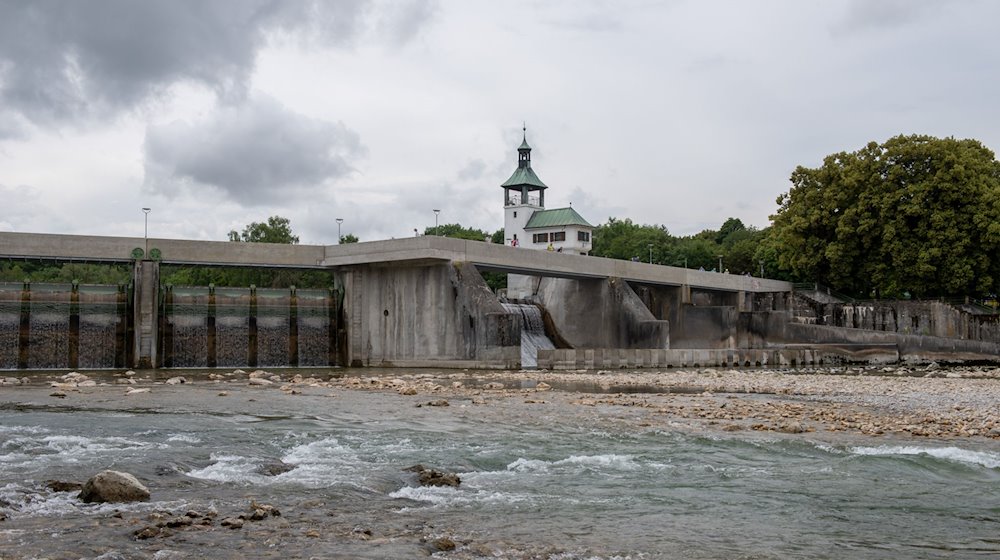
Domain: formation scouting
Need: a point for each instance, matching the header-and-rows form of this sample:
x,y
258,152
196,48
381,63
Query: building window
x,y
540,238
559,236
583,236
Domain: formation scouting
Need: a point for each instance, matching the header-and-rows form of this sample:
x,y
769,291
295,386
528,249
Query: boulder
x,y
443,544
115,487
431,477
274,469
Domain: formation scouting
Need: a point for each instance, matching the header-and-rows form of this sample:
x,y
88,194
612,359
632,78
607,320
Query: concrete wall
x,y
613,358
931,318
432,315
601,313
915,348
712,327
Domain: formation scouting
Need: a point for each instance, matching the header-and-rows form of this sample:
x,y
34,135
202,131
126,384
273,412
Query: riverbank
x,y
925,401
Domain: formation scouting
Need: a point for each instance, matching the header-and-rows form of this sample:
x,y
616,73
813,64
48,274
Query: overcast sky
x,y
219,113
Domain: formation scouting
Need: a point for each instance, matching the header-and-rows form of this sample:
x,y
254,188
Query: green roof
x,y
556,217
524,176
524,144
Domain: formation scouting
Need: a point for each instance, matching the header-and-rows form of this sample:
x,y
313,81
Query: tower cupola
x,y
524,187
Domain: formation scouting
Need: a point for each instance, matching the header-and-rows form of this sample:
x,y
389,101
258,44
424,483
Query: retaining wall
x,y
614,358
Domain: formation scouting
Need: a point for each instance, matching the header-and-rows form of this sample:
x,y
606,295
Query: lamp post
x,y
436,211
650,253
145,231
339,221
720,263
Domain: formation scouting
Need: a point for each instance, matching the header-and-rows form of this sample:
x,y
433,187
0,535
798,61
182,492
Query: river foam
x,y
953,454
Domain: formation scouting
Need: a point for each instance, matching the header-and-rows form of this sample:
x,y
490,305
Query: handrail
x,y
982,305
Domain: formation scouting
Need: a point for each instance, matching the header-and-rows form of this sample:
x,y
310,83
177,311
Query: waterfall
x,y
533,335
243,327
61,326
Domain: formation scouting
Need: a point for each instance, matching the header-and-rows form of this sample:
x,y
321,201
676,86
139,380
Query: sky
x,y
218,113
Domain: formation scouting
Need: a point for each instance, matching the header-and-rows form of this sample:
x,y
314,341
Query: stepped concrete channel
x,y
422,302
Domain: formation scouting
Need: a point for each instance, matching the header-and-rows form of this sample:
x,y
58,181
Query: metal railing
x,y
979,305
514,199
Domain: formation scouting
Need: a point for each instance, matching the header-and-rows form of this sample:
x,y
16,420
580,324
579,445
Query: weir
x,y
422,302
63,326
533,337
249,327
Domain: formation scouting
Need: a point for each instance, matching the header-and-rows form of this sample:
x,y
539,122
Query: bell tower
x,y
523,194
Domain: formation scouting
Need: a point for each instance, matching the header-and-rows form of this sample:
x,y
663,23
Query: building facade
x,y
529,225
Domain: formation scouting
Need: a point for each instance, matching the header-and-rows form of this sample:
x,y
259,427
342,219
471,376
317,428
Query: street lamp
x,y
436,211
650,253
145,230
339,238
720,263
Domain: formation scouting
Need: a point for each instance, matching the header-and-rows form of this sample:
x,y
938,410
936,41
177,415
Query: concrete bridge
x,y
422,300
406,251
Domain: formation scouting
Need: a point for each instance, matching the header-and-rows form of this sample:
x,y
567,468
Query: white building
x,y
529,225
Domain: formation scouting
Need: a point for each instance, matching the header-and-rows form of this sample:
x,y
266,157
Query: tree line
x,y
913,217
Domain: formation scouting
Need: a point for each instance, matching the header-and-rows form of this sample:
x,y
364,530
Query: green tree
x,y
275,230
47,271
349,238
624,239
457,231
916,215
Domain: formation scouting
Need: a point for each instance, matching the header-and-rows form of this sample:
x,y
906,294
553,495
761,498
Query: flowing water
x,y
49,333
551,481
533,335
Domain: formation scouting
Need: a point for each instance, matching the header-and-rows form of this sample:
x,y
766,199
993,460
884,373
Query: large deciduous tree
x,y
276,230
916,215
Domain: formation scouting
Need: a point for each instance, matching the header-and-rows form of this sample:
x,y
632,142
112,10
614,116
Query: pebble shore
x,y
919,401
929,401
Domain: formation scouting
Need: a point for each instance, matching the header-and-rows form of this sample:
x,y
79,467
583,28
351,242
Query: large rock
x,y
114,486
431,477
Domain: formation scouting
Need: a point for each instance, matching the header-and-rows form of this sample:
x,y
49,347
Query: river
x,y
539,479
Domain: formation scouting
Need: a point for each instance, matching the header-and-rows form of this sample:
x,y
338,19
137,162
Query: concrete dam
x,y
422,302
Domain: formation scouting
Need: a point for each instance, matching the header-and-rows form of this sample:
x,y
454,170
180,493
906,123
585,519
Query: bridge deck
x,y
413,250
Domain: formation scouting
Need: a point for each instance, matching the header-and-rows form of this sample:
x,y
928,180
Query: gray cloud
x,y
472,171
585,16
256,152
67,61
12,126
21,205
865,15
404,21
